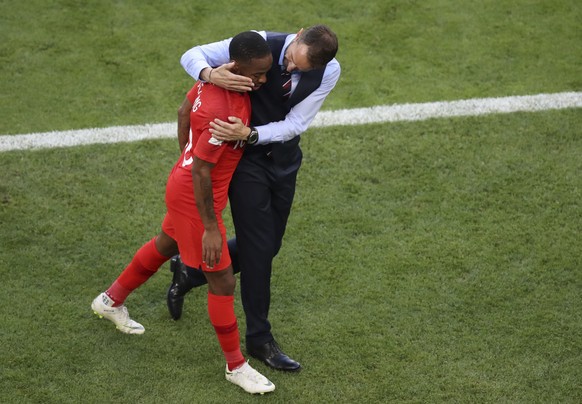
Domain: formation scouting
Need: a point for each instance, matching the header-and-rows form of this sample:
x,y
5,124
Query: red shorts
x,y
183,223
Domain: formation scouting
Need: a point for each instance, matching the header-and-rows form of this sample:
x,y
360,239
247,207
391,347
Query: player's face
x,y
256,70
296,58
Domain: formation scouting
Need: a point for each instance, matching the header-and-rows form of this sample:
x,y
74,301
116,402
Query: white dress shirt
x,y
299,117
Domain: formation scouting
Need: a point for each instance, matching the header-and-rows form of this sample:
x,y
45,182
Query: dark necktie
x,y
286,78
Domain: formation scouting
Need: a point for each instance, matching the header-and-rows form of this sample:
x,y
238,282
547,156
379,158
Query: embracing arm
x,y
295,123
199,61
301,115
204,56
211,239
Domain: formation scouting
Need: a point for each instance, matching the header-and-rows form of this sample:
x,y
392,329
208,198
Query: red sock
x,y
146,262
222,317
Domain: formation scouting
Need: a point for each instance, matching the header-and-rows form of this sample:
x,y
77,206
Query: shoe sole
x,y
116,327
262,393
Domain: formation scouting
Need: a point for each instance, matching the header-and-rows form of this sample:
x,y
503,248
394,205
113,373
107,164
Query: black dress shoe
x,y
179,287
271,355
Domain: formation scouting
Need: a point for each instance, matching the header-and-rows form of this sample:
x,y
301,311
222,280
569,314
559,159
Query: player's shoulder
x,y
213,93
212,89
221,100
222,93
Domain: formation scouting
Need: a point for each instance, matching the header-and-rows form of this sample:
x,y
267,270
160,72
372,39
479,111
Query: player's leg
x,y
185,279
221,285
145,263
166,245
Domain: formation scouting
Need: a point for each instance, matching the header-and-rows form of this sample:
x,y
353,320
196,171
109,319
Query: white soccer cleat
x,y
249,379
103,307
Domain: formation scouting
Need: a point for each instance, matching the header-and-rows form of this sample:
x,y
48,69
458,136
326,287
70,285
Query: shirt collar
x,y
288,41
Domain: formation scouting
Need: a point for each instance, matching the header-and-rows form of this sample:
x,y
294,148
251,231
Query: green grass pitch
x,y
424,262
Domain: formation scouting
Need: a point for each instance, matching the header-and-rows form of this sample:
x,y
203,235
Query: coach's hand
x,y
229,131
222,76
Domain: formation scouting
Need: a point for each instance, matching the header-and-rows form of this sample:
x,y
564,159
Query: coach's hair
x,y
322,45
248,45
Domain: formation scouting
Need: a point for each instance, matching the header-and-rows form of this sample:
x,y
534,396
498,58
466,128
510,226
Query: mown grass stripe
x,y
344,117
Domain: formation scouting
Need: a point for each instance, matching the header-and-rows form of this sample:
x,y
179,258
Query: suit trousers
x,y
261,194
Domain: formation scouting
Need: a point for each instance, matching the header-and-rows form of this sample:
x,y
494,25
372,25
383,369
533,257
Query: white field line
x,y
357,116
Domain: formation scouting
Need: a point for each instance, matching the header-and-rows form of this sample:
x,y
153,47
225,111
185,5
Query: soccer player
x,y
196,194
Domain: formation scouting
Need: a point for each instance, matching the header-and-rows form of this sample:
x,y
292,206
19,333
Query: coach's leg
x,y
251,212
257,241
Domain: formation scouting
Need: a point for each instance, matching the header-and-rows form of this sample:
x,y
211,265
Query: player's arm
x,y
211,239
184,123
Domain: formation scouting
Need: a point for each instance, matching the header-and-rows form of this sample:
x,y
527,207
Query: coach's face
x,y
256,70
296,57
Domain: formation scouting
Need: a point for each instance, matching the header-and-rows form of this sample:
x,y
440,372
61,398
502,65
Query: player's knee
x,y
166,245
221,284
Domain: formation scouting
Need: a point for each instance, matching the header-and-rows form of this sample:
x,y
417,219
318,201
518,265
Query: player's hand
x,y
223,77
230,131
211,247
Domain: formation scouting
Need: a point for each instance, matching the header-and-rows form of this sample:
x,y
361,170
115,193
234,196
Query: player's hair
x,y
322,45
248,45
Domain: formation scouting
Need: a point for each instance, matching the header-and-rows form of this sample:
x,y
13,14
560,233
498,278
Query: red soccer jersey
x,y
210,102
